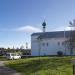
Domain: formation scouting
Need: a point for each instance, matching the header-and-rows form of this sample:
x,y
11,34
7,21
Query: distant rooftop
x,y
55,34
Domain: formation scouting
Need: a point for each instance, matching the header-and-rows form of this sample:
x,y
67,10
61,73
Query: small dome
x,y
44,23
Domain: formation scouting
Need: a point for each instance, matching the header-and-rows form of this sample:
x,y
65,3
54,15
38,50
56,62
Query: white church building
x,y
49,43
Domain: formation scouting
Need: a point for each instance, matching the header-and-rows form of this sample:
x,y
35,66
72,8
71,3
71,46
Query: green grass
x,y
44,66
2,58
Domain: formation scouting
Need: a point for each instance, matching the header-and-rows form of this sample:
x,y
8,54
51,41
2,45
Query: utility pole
x,y
64,44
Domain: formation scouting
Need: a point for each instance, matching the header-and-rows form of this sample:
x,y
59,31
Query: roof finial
x,y
44,26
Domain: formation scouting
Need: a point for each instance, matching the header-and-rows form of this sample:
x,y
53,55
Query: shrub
x,y
60,53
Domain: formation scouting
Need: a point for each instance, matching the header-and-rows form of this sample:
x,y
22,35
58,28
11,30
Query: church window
x,y
63,43
47,44
58,43
43,44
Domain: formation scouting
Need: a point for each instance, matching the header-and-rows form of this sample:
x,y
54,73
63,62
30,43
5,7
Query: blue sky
x,y
20,18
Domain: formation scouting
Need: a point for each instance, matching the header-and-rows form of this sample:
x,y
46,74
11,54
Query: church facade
x,y
49,43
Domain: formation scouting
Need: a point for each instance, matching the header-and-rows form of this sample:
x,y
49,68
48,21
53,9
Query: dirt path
x,y
6,71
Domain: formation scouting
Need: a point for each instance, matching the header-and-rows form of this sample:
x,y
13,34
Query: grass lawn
x,y
2,58
44,66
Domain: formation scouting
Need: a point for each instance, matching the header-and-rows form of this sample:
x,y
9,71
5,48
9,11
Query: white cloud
x,y
28,29
23,29
62,28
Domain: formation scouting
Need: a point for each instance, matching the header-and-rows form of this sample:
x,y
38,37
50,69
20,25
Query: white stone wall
x,y
53,47
34,46
48,46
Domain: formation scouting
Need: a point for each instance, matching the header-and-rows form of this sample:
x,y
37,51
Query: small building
x,y
2,51
49,43
26,52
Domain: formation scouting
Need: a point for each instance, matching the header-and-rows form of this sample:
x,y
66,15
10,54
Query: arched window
x,y
58,43
47,44
43,44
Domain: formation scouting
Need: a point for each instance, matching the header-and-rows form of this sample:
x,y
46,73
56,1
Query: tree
x,y
71,40
22,47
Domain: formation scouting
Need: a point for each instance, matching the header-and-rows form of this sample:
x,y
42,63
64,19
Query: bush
x,y
60,53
